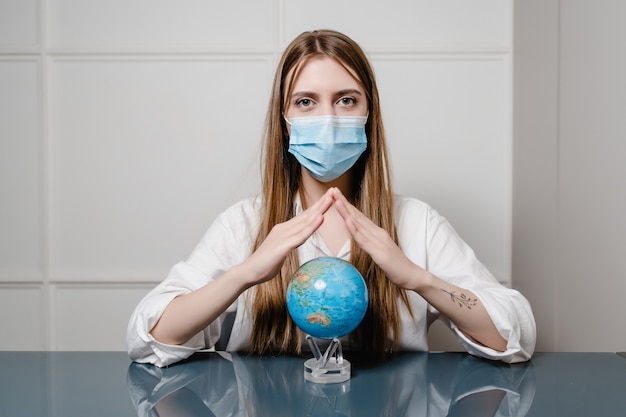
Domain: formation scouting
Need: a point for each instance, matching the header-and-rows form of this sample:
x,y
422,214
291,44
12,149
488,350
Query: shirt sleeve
x,y
451,259
225,244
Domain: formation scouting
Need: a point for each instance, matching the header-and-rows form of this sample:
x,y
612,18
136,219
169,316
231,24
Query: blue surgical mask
x,y
327,146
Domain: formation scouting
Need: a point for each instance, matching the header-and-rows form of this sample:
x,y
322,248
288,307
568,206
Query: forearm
x,y
188,314
458,304
462,307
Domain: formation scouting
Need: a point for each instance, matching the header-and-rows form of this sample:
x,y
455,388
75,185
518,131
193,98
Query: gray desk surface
x,y
221,384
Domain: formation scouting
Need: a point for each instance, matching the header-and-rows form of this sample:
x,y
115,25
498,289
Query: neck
x,y
311,190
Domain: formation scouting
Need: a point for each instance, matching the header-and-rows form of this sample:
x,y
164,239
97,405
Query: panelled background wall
x,y
569,204
126,127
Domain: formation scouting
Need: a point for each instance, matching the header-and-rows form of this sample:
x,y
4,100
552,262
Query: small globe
x,y
327,297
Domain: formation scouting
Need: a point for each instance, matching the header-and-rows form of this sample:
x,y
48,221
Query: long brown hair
x,y
371,192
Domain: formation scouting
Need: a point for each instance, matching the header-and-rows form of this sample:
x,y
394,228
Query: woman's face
x,y
324,88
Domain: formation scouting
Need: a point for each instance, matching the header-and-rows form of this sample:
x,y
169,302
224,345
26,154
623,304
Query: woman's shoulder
x,y
413,212
251,203
244,215
249,207
405,204
238,224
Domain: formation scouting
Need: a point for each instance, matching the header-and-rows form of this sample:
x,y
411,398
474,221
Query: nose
x,y
327,109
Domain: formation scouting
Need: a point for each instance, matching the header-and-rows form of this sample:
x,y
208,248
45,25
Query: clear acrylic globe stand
x,y
328,368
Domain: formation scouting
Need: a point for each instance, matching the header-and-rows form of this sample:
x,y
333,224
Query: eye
x,y
304,102
347,101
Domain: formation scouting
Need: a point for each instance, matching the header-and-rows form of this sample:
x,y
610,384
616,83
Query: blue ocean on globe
x,y
327,297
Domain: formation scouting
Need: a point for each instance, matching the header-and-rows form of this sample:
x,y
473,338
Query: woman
x,y
326,192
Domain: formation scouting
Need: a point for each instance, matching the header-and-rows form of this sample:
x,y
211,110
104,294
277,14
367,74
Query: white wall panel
x,y
20,170
159,24
22,324
397,24
570,194
144,155
592,177
535,165
19,23
92,317
448,122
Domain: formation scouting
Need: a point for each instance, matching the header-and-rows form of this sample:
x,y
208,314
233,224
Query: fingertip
x,y
341,206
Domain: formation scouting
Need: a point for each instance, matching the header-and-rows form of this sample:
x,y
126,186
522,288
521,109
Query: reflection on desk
x,y
406,384
98,384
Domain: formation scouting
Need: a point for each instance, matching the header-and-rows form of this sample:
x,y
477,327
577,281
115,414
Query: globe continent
x,y
327,297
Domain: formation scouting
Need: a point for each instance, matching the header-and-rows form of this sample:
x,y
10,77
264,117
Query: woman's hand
x,y
379,245
188,314
472,319
267,260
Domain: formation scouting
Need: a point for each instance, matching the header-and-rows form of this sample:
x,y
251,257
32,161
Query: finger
x,y
307,227
321,206
343,211
352,216
367,234
340,201
310,219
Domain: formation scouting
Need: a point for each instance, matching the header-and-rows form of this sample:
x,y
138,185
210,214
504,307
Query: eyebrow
x,y
349,91
338,93
304,94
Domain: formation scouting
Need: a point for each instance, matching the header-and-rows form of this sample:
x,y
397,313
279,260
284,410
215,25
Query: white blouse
x,y
425,236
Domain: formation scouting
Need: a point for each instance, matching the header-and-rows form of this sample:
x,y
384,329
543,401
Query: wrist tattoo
x,y
462,299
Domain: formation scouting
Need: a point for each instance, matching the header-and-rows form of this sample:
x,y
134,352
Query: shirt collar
x,y
298,204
